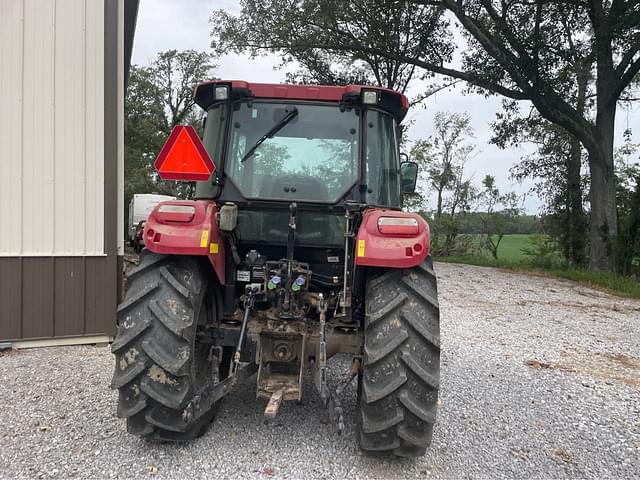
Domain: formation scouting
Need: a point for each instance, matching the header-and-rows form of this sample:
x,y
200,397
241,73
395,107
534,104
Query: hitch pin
x,y
322,347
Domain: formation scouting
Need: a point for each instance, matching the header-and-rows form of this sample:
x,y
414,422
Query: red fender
x,y
192,231
392,239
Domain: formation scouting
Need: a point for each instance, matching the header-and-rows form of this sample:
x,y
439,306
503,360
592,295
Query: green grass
x,y
511,257
511,246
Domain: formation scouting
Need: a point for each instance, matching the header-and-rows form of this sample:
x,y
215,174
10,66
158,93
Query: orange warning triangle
x,y
183,156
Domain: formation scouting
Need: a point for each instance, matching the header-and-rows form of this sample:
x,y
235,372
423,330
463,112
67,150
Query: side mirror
x,y
408,176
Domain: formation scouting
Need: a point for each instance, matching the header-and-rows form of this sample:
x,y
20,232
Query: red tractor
x,y
294,249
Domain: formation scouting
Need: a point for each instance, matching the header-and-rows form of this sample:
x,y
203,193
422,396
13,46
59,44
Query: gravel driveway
x,y
540,378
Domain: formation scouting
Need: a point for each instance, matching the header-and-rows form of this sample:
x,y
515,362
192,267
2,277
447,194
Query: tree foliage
x,y
556,168
530,51
159,96
628,204
442,158
319,35
522,224
495,209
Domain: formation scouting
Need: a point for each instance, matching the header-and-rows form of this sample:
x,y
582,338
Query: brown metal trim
x,y
120,273
111,127
130,19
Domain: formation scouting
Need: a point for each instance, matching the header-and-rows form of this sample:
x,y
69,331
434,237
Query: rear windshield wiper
x,y
275,129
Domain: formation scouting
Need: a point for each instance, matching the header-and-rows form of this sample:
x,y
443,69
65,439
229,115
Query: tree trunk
x,y
494,248
576,225
604,216
437,221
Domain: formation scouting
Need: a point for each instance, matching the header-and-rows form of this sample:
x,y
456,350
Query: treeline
x,y
472,224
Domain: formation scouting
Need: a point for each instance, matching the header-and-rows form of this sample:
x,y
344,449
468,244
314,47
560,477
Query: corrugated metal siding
x,y
44,297
52,128
11,126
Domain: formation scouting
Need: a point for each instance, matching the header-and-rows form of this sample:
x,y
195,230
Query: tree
x,y
416,201
515,49
159,96
421,154
442,158
450,152
142,134
628,203
302,31
494,220
556,165
555,168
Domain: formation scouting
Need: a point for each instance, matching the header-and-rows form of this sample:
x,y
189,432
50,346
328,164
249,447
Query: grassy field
x,y
511,257
511,246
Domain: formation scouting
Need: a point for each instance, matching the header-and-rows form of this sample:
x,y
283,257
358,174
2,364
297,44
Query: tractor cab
x,y
307,144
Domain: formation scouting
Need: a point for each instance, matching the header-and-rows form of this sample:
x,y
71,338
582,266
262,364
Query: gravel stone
x,y
540,379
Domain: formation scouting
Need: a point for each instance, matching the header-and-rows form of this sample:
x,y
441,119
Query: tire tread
x,y
401,377
155,375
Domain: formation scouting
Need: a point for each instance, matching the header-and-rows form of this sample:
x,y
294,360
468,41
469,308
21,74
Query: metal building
x,y
62,80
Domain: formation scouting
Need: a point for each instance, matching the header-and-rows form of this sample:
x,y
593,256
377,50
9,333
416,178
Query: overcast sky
x,y
184,24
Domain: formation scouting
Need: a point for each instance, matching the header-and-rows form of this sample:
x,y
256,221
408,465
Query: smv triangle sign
x,y
183,156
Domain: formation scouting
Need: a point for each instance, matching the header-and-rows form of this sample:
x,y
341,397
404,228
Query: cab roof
x,y
389,100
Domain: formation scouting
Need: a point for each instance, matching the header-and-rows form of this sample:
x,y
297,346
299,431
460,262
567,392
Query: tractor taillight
x,y
398,226
176,213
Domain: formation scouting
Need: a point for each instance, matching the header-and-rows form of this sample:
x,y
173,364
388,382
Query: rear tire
x,y
398,391
160,362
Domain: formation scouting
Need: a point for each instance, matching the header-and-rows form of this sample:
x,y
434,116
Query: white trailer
x,y
140,207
